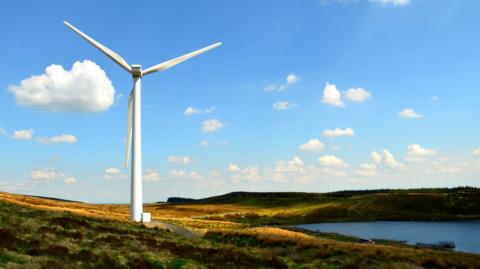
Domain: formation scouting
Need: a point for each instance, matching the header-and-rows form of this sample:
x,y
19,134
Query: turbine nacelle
x,y
136,70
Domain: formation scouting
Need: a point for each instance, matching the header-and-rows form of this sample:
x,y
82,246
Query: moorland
x,y
236,230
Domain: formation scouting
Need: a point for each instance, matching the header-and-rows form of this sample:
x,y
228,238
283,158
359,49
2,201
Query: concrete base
x,y
146,217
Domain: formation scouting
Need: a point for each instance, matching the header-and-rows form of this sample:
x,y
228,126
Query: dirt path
x,y
173,228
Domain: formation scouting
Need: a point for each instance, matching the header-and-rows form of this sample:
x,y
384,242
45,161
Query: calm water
x,y
465,234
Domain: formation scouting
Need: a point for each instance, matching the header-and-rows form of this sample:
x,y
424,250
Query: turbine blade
x,y
110,53
129,129
166,65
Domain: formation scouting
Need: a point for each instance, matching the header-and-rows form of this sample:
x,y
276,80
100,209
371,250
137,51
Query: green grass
x,y
34,238
295,208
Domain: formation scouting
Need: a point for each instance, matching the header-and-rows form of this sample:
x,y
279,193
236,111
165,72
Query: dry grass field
x,y
44,233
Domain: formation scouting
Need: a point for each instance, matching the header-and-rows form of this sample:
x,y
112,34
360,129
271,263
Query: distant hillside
x,y
297,207
56,199
179,200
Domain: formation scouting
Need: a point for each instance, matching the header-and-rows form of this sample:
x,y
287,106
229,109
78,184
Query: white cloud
x,y
182,174
376,157
332,96
192,111
151,175
410,113
391,161
367,170
333,172
70,181
392,2
416,153
283,105
313,145
292,169
357,95
233,167
177,173
64,138
476,152
181,159
23,134
250,173
85,87
211,125
331,161
114,173
46,175
339,132
291,79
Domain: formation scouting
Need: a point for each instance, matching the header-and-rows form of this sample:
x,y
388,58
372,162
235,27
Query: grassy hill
x,y
291,207
46,233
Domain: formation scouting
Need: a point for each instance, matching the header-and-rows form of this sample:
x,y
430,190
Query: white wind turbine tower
x,y
134,116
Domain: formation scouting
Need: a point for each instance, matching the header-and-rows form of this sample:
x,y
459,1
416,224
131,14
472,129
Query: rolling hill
x,y
212,233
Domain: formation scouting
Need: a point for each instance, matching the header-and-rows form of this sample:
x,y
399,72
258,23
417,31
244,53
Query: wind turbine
x,y
134,116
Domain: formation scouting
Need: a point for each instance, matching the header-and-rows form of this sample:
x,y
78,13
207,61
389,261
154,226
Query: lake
x,y
465,234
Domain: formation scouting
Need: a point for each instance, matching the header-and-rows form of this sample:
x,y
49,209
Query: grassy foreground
x,y
42,233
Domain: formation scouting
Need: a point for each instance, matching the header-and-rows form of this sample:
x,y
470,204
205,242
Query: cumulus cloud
x,y
313,145
292,169
85,87
357,95
409,113
392,2
367,170
233,168
182,174
114,173
151,175
291,79
332,96
46,175
476,152
64,138
189,111
415,153
339,132
23,134
331,161
391,161
70,181
212,125
283,105
181,159
238,174
376,157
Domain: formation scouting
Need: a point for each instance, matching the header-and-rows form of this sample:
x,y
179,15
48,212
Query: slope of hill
x,y
290,208
34,233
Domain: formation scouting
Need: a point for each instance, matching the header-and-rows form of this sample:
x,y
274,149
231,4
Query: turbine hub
x,y
136,70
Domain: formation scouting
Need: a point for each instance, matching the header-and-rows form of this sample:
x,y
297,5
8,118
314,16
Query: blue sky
x,y
302,96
